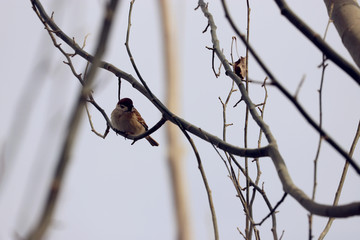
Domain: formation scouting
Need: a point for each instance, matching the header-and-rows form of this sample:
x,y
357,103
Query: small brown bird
x,y
127,119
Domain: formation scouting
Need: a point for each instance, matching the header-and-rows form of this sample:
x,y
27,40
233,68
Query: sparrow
x,y
127,119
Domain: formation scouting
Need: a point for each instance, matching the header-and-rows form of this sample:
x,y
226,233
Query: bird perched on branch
x,y
127,119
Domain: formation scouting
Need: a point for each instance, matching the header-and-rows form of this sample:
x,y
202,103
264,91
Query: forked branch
x,y
256,152
284,176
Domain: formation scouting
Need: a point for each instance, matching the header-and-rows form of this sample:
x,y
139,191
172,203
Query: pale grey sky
x,y
115,190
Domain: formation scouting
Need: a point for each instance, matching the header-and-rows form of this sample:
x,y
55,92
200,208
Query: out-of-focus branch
x,y
270,150
257,152
52,196
279,163
345,15
316,39
174,148
80,77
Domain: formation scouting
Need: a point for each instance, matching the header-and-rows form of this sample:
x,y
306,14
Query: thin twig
x,y
206,184
287,94
278,161
341,182
233,179
263,194
92,126
248,226
217,74
131,56
273,210
256,187
229,167
299,87
119,88
157,103
64,158
315,38
256,160
80,77
323,65
135,138
270,150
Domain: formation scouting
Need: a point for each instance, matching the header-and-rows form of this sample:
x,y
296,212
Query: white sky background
x,y
115,190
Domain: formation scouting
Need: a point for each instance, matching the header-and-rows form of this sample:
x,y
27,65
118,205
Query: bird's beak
x,y
130,109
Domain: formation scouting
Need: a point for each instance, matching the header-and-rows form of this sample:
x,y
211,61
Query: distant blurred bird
x,y
127,119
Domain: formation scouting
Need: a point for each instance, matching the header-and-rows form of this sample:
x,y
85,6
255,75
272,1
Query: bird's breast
x,y
126,122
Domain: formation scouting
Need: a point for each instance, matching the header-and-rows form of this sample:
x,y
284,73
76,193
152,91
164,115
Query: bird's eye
x,y
122,106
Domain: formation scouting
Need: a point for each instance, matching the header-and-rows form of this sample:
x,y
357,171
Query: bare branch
x,y
299,87
273,210
323,66
346,17
318,41
270,150
92,126
206,184
150,131
288,185
119,88
217,74
302,111
165,111
341,182
53,192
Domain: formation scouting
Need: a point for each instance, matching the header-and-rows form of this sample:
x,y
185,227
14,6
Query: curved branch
x,y
206,184
150,131
276,83
346,18
264,196
135,138
284,176
64,157
341,182
270,150
340,211
317,40
256,152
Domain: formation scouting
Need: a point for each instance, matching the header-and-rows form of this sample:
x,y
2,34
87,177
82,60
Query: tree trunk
x,y
346,17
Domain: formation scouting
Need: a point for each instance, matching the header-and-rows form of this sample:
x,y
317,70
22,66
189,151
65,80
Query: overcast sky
x,y
115,190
